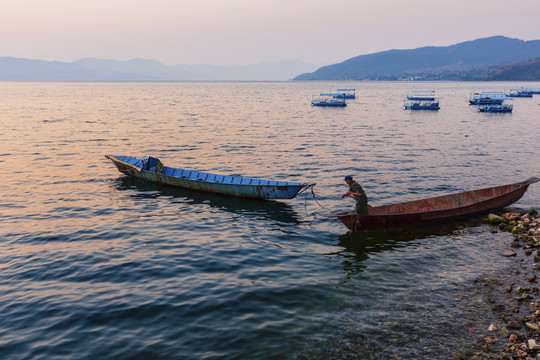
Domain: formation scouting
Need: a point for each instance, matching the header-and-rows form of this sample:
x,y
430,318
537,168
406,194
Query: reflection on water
x,y
261,209
388,239
359,245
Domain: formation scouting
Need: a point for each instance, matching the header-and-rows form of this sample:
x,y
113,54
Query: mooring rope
x,y
315,198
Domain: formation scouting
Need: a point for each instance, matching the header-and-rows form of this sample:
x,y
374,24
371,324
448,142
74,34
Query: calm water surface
x,y
95,265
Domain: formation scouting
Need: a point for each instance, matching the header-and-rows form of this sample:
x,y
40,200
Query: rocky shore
x,y
517,335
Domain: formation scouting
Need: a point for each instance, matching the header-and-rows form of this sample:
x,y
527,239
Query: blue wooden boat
x,y
345,94
328,99
503,105
521,93
421,100
532,90
486,97
152,169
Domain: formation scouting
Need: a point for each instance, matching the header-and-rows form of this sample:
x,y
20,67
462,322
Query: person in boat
x,y
356,191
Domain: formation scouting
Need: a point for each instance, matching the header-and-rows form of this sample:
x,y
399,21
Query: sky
x,y
243,32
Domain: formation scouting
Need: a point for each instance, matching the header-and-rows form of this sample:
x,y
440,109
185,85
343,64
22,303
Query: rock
x,y
505,227
495,219
520,353
531,278
533,345
513,338
532,326
492,327
508,253
511,216
513,324
518,229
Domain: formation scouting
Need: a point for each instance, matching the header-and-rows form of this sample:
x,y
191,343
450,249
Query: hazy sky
x,y
240,32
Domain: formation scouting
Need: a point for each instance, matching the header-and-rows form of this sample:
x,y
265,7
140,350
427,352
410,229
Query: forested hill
x,y
431,62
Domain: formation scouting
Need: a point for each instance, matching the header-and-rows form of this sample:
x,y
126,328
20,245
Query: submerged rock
x,y
513,324
508,253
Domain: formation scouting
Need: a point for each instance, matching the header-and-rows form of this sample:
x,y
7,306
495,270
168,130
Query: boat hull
x,y
279,190
495,110
415,106
328,104
442,208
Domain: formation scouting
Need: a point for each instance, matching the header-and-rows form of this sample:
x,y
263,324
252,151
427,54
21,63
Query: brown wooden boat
x,y
440,208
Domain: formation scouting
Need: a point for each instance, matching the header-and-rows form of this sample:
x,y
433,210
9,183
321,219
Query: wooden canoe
x,y
151,169
440,208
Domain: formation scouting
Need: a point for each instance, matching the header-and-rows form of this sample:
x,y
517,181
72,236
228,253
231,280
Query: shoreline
x,y
517,334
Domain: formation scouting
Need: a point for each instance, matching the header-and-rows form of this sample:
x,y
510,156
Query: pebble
x,y
508,253
533,345
513,324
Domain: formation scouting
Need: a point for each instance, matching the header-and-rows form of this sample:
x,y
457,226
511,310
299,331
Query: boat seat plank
x,y
185,174
168,171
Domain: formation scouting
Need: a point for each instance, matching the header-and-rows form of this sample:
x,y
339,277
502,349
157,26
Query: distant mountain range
x,y
493,58
91,69
481,59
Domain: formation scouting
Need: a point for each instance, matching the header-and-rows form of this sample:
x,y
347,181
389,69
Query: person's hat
x,y
348,177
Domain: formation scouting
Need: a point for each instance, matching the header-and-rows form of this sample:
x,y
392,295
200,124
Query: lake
x,y
96,265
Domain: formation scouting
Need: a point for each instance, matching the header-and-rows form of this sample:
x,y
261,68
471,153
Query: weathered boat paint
x,y
440,208
229,185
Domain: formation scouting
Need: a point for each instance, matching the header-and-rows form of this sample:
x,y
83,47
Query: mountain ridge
x,y
137,69
390,64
